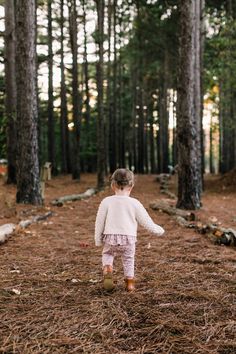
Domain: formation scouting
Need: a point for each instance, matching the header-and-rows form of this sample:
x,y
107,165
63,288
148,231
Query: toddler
x,y
116,227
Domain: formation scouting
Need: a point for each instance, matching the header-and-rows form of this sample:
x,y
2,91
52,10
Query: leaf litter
x,y
185,300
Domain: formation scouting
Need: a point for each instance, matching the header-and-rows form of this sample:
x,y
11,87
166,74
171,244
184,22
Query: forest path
x,y
185,300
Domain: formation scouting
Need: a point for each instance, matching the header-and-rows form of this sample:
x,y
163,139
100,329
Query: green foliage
x,y
220,54
154,35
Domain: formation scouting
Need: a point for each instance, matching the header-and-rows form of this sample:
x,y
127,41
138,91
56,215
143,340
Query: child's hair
x,y
122,177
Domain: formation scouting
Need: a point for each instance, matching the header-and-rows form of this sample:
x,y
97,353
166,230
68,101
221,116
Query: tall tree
x,y
108,125
163,141
87,93
120,112
189,179
100,118
65,148
76,99
10,85
202,47
51,120
113,123
198,86
140,90
28,183
228,92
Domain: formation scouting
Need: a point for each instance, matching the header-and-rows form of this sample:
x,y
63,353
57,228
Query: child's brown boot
x,y
129,284
108,278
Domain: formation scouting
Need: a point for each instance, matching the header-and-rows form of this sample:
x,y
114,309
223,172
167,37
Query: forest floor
x,y
51,295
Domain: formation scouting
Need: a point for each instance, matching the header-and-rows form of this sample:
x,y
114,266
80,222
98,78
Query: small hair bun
x,y
123,182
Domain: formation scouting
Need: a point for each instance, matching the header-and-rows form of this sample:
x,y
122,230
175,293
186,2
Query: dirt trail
x,y
51,296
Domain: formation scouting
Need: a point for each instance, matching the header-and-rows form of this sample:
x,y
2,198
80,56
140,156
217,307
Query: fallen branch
x,y
166,208
164,179
7,229
218,235
25,223
67,198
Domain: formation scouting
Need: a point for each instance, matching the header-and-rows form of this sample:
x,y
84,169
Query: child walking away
x,y
116,227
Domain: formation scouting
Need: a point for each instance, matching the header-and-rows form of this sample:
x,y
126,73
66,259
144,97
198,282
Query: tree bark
x,y
120,115
109,125
10,85
100,119
113,126
198,88
133,140
202,45
28,182
87,94
189,181
227,98
51,120
211,157
75,90
65,148
164,121
150,108
139,107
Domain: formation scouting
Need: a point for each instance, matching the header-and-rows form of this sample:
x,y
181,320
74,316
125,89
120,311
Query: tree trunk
x,y
227,99
189,181
51,121
140,112
134,144
222,157
28,183
87,95
164,122
86,71
10,85
174,146
198,88
100,119
120,116
109,125
202,45
65,148
113,126
75,89
211,157
151,136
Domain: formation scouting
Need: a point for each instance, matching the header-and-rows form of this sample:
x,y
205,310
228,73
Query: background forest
x,y
108,75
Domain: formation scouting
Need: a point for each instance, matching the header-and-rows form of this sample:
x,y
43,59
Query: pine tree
x,y
189,178
10,85
28,184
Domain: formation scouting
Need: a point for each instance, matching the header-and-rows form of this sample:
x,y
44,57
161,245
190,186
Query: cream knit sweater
x,y
120,215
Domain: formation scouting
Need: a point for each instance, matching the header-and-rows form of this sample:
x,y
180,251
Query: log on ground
x,y
218,235
166,208
7,229
68,198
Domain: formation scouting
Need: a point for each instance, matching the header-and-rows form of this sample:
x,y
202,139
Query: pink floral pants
x,y
126,252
